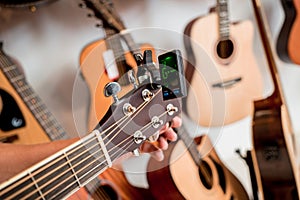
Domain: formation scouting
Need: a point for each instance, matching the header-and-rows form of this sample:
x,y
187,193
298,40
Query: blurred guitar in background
x,y
192,170
294,41
274,150
111,64
284,34
228,86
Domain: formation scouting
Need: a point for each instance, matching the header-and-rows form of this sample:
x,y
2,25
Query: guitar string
x,y
109,142
41,108
45,115
59,158
90,170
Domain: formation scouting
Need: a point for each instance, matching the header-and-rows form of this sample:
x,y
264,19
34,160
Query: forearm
x,y
16,158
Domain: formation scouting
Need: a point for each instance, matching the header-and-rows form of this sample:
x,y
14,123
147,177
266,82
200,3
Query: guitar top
x,y
192,170
217,72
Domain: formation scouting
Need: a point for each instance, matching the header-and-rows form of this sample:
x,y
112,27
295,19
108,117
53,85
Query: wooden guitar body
x,y
273,156
284,34
29,131
223,105
294,41
273,146
178,177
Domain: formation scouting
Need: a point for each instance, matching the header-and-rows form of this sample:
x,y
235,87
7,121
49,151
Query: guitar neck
x,y
190,144
31,99
63,173
222,8
275,99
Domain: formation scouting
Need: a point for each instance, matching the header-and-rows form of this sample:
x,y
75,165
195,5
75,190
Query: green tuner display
x,y
171,72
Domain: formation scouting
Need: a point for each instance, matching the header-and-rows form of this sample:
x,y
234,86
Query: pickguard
x,y
11,117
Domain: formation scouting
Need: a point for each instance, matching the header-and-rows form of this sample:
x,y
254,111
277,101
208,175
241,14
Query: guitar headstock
x,y
136,117
105,11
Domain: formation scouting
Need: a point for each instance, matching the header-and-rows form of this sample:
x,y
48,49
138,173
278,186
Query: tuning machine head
x,y
112,89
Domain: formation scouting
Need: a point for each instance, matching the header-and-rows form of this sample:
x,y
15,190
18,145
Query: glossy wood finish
x,y
179,177
274,158
284,34
294,40
222,105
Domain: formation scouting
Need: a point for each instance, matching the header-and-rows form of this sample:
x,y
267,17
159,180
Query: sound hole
x,y
225,49
222,180
205,174
105,192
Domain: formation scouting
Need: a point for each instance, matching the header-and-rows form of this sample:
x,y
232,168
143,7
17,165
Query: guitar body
x,y
221,104
178,175
273,152
284,34
28,131
294,41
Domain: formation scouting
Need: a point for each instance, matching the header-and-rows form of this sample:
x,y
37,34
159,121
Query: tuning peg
x,y
112,89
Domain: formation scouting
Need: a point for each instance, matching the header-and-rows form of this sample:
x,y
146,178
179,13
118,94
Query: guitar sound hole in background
x,y
206,178
225,49
105,192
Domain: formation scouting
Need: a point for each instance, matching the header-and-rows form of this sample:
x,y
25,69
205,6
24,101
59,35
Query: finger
x,y
169,134
153,149
176,122
162,143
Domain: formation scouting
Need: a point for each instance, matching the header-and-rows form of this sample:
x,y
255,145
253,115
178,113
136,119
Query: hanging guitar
x,y
197,173
129,122
25,119
103,69
221,80
284,34
293,40
273,143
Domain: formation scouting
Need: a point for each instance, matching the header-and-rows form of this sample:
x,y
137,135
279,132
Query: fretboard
x,y
224,22
61,174
190,144
31,99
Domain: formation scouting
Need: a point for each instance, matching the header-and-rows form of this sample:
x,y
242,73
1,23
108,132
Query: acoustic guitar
x,y
273,148
227,79
293,42
25,119
192,170
127,124
284,34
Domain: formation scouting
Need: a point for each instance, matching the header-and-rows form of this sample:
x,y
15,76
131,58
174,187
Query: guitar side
x,y
178,175
294,41
284,34
209,70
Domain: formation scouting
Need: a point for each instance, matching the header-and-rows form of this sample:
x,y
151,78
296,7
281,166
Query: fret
x,y
17,78
77,179
19,190
224,22
9,68
36,185
24,89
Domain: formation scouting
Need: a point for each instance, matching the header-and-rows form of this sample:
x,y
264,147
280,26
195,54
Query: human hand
x,y
166,134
